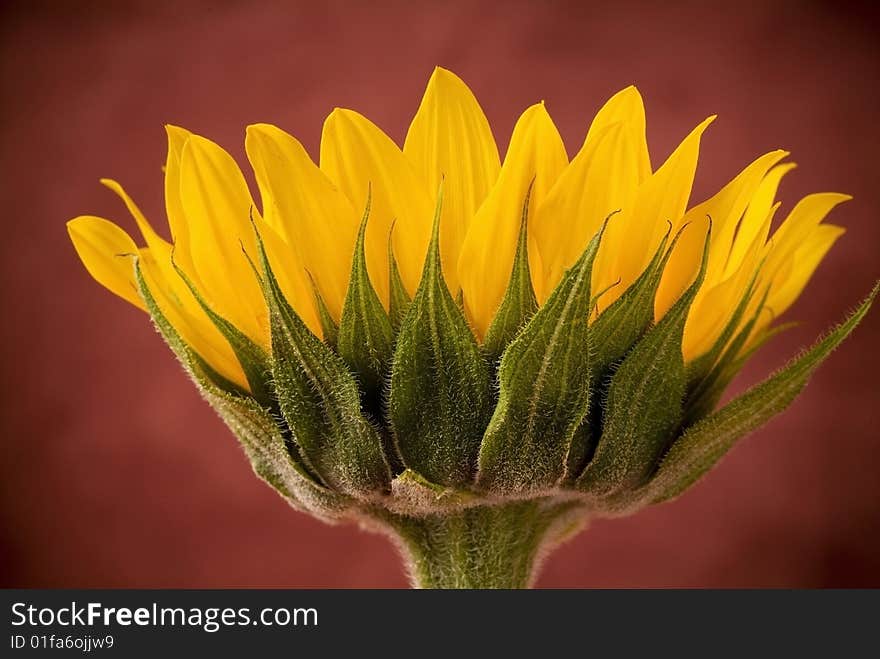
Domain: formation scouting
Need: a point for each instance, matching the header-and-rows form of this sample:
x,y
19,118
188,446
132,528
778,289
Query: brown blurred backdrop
x,y
114,473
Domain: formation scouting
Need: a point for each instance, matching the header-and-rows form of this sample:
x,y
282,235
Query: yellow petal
x,y
632,237
802,264
308,212
450,140
177,137
711,312
602,177
758,216
152,238
217,205
106,251
794,230
536,153
725,209
357,156
626,108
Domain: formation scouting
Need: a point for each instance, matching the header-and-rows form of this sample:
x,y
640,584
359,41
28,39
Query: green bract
x,y
475,457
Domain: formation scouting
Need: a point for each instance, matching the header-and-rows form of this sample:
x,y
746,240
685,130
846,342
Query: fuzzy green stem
x,y
484,546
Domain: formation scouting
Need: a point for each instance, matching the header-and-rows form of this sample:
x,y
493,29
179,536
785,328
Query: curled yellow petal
x,y
358,157
536,153
308,212
106,252
450,140
217,204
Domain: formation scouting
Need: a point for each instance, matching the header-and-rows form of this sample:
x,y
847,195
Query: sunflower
x,y
451,345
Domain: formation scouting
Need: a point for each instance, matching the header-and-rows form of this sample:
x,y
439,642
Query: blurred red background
x,y
115,473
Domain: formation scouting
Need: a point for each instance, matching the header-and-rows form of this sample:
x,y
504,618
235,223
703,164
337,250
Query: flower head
x,y
310,217
433,327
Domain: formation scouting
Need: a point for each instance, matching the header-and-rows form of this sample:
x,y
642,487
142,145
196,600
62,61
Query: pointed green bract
x,y
617,328
519,303
270,455
644,404
253,359
271,459
328,326
544,381
320,402
398,298
366,340
440,397
703,444
612,334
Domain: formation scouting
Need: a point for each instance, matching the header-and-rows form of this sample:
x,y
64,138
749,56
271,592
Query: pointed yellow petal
x,y
803,262
725,208
536,152
175,299
800,223
217,204
106,252
450,140
757,217
633,236
626,108
150,236
358,156
308,212
602,178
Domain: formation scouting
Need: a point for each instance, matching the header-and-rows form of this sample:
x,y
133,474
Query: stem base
x,y
496,546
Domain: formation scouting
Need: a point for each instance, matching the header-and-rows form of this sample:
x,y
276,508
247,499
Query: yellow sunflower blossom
x,y
310,215
474,353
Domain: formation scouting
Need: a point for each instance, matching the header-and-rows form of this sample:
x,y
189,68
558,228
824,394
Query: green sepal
x,y
623,323
329,328
519,303
366,339
644,404
544,389
612,334
320,402
253,359
700,447
269,455
398,298
440,398
263,442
